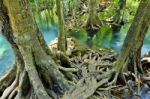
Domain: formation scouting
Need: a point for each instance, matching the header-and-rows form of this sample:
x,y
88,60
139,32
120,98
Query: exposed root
x,y
34,78
10,89
23,87
13,93
87,74
83,89
68,69
96,65
7,79
114,80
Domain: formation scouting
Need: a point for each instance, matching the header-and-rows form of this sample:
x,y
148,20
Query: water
x,y
50,34
7,57
115,42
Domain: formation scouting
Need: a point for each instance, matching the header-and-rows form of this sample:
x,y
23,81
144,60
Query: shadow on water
x,y
90,34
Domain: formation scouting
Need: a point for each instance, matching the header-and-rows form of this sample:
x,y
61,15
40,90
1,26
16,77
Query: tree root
x,y
13,93
89,74
24,86
7,79
68,69
34,78
114,80
84,89
10,89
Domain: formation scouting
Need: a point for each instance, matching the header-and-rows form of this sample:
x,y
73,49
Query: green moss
x,y
103,37
79,34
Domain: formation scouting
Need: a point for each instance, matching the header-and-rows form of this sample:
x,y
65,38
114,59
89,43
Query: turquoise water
x,y
115,42
7,57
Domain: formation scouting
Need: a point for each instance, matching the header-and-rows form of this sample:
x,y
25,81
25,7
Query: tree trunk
x,y
7,32
62,45
135,36
35,68
118,19
93,22
135,55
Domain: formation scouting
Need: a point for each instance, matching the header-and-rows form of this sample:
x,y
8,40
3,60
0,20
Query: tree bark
x,y
135,36
62,45
35,63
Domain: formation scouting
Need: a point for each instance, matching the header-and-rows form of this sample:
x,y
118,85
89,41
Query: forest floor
x,y
90,70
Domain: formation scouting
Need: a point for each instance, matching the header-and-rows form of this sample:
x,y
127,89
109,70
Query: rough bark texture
x,y
62,45
8,79
135,34
35,67
135,55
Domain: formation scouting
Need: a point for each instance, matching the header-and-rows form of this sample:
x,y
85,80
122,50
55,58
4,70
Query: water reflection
x,y
118,39
106,41
116,43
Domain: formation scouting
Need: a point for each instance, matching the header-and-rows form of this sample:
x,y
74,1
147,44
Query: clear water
x,y
117,40
7,55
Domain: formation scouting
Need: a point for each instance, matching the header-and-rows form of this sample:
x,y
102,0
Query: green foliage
x,y
43,11
80,34
109,11
103,37
131,7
